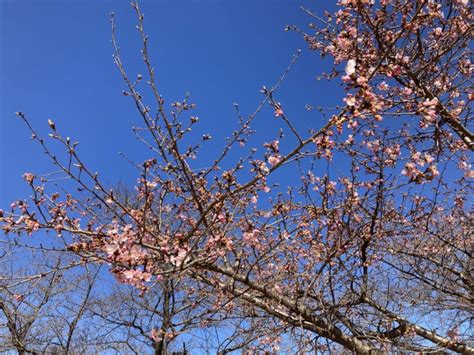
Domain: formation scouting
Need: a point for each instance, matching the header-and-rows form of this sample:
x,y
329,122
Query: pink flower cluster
x,y
428,111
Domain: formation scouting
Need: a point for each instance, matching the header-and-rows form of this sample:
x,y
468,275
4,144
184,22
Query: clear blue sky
x,y
56,63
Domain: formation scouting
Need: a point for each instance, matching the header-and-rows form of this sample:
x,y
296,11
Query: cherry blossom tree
x,y
369,250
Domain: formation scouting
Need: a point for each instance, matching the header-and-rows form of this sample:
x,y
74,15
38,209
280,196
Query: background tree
x,y
44,295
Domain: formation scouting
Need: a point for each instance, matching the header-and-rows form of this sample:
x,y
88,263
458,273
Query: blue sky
x,y
56,62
